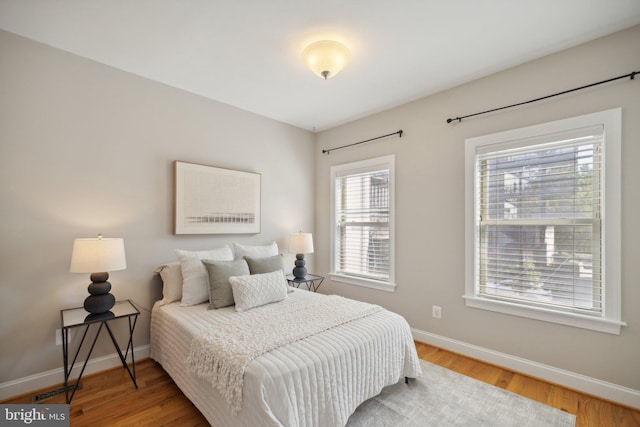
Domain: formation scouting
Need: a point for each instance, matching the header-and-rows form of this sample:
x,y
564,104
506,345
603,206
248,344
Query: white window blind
x,y
538,221
542,221
362,219
362,223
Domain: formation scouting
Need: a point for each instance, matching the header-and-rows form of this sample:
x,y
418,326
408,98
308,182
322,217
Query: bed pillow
x,y
263,265
241,251
266,265
220,293
171,275
258,289
195,280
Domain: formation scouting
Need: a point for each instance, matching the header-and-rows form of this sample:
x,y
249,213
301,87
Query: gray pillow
x,y
264,264
220,293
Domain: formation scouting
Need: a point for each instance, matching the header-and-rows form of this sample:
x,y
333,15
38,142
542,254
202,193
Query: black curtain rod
x,y
631,75
362,142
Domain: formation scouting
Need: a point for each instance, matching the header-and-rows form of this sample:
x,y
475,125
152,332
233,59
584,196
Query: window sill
x,y
570,319
366,283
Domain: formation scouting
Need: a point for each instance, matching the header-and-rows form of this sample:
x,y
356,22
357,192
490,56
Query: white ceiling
x,y
246,53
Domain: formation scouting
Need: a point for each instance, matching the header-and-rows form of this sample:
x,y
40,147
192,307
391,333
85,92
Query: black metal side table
x,y
312,281
78,317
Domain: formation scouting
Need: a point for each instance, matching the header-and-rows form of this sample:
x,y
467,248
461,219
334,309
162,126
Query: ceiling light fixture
x,y
326,57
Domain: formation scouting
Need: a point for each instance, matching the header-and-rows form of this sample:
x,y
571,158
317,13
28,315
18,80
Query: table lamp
x,y
98,256
300,244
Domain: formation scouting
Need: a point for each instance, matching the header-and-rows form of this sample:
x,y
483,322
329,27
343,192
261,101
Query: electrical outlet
x,y
436,311
70,335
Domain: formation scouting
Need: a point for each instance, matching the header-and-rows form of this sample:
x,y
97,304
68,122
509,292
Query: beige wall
x,y
87,149
430,203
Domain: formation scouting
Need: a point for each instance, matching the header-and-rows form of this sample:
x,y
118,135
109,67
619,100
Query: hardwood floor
x,y
589,411
109,398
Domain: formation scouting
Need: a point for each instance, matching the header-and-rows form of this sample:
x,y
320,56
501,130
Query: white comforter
x,y
317,381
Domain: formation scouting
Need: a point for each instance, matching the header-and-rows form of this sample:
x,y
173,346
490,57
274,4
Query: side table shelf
x,y
78,318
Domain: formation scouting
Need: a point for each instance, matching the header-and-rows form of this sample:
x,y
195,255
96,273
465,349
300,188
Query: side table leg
x,y
122,359
65,343
132,327
65,361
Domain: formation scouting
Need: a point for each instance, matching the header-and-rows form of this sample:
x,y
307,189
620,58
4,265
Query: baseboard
x,y
588,385
55,377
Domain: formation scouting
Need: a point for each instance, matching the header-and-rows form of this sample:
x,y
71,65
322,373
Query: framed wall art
x,y
211,200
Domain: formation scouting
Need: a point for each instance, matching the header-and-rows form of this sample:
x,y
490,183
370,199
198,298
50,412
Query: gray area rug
x,y
445,398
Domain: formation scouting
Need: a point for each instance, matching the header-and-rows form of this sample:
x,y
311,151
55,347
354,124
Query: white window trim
x,y
359,281
610,322
387,162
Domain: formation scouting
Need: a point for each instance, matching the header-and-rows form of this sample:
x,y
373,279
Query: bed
x,y
316,381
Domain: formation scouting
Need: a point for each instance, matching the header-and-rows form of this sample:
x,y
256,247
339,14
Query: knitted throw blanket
x,y
221,353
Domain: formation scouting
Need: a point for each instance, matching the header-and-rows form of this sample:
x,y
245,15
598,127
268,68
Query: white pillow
x,y
241,251
195,280
171,275
258,289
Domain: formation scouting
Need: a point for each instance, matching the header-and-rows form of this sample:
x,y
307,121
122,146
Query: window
x,y
362,197
543,222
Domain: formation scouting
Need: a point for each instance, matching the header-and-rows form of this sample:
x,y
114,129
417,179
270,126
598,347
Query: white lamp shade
x,y
97,255
300,243
326,57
